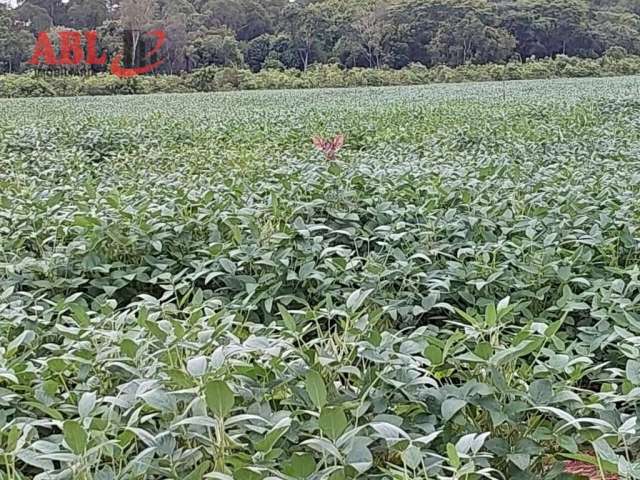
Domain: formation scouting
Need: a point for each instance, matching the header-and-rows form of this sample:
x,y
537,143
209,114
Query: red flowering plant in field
x,y
328,147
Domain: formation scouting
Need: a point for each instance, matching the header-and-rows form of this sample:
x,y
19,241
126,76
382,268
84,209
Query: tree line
x,y
284,34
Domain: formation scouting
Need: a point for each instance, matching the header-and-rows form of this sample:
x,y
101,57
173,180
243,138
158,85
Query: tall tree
x,y
544,28
215,47
137,16
55,9
15,42
307,25
35,18
617,29
175,50
469,40
370,26
86,14
257,51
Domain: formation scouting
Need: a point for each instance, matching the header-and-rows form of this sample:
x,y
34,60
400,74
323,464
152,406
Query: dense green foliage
x,y
212,79
262,34
189,290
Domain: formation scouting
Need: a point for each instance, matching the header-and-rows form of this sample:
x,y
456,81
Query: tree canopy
x,y
351,33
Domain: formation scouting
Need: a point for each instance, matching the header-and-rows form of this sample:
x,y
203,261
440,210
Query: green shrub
x,y
211,79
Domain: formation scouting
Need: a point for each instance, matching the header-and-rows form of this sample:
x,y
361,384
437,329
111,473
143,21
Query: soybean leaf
x,y
332,422
75,436
316,389
219,397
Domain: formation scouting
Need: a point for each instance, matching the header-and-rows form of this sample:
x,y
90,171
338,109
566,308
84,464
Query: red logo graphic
x,y
71,52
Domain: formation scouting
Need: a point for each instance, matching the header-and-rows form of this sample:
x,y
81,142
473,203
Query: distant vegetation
x,y
211,79
279,34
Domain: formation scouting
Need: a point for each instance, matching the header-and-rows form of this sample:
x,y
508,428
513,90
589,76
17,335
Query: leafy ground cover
x,y
189,290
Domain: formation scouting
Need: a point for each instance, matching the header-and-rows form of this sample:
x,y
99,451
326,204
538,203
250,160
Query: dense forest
x,y
263,34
